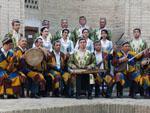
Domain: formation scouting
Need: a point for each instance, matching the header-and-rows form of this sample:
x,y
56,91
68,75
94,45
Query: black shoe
x,y
78,96
2,97
12,96
133,96
97,96
90,97
34,96
119,94
107,96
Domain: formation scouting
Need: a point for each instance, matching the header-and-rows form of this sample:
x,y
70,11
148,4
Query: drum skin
x,y
34,56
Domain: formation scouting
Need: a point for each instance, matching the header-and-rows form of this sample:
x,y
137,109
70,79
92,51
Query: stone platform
x,y
66,105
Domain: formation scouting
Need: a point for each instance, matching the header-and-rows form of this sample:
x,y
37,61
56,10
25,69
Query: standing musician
x,y
57,67
89,42
126,71
10,79
67,46
14,33
137,43
82,59
36,81
103,63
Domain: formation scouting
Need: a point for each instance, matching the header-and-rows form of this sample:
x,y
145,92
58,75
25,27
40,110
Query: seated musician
x,y
10,80
103,78
58,70
36,81
82,59
126,71
145,72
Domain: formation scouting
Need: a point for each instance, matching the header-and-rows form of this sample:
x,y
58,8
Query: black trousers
x,y
83,85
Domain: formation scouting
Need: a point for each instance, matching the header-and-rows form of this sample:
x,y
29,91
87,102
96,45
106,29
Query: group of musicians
x,y
74,63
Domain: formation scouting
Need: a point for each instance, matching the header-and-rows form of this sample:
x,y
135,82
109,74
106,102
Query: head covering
x,y
7,39
124,42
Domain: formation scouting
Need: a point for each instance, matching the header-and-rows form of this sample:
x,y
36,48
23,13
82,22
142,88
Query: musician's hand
x,y
125,59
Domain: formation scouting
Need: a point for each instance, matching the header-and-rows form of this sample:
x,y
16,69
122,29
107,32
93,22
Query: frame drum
x,y
34,56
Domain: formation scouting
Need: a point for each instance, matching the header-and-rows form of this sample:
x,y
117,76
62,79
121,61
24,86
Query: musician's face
x,y
126,47
16,26
57,47
65,34
82,21
104,35
136,34
8,46
85,33
64,24
102,23
39,43
97,46
23,43
82,44
45,32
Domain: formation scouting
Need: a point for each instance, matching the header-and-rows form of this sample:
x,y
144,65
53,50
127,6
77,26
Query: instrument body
x,y
34,56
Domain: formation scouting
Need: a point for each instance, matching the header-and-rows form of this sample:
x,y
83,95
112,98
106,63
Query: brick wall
x,y
138,15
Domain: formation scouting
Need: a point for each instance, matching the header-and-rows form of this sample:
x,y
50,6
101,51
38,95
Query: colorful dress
x,y
138,45
57,69
130,71
105,79
10,79
82,60
31,72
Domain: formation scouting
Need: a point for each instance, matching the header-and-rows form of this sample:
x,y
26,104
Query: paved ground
x,y
66,105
